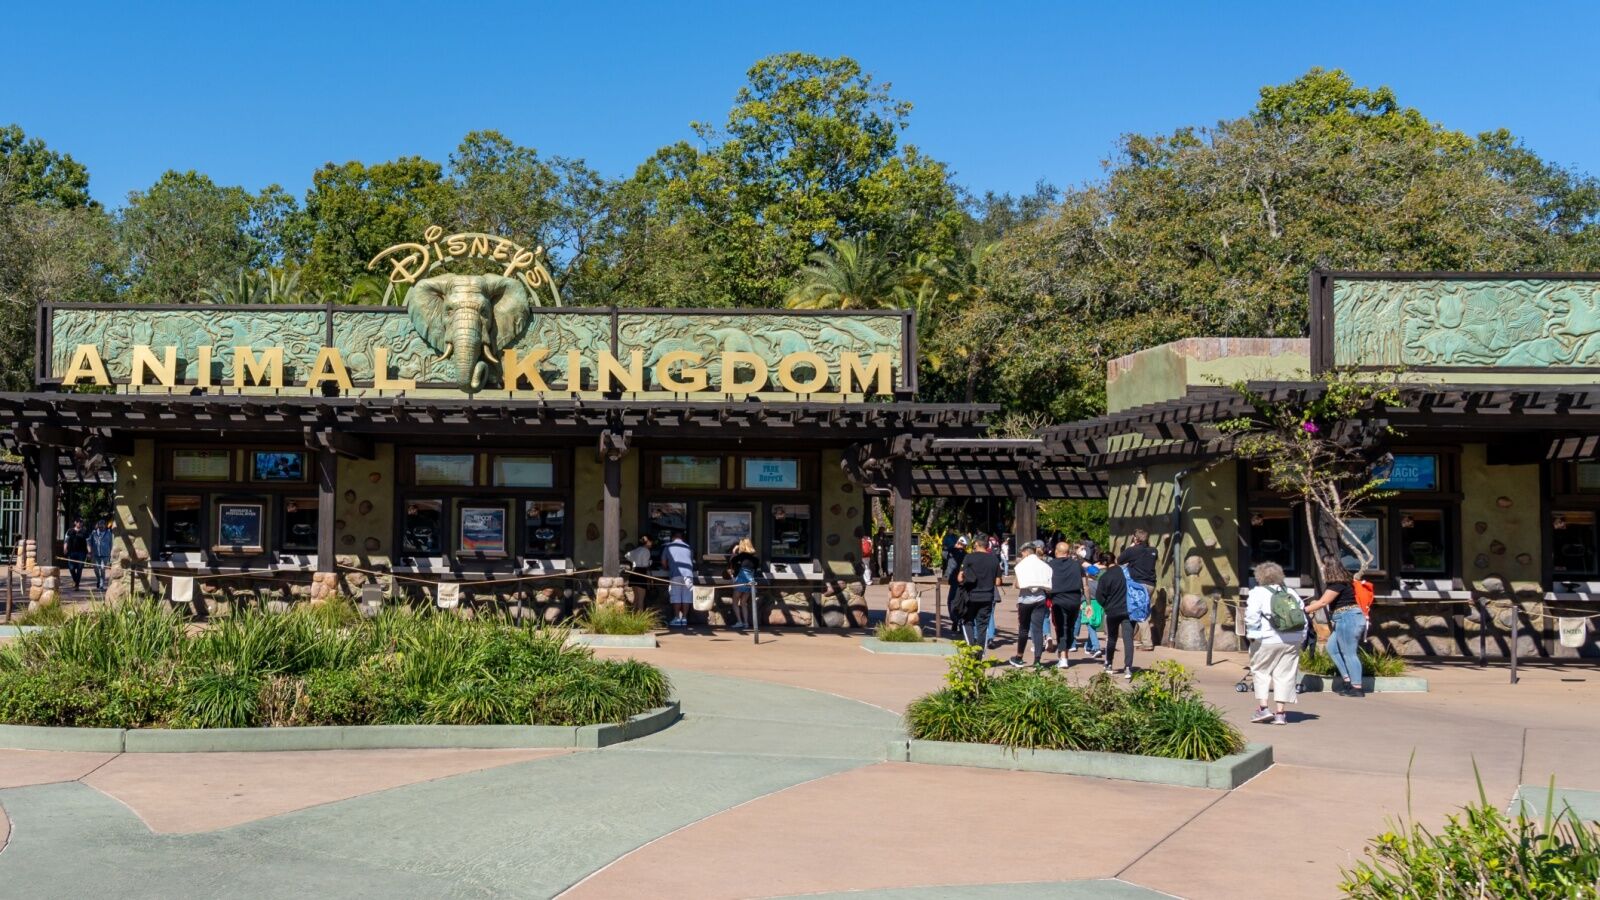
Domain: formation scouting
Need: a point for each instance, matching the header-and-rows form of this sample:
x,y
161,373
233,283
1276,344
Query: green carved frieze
x,y
1440,323
115,331
770,336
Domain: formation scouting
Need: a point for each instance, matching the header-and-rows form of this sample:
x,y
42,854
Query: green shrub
x,y
136,665
44,615
898,634
1161,714
967,674
1482,852
613,619
1382,664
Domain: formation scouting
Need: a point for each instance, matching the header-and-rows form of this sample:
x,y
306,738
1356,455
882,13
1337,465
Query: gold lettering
x,y
819,367
380,373
202,376
265,372
329,367
501,251
145,363
456,245
480,245
522,260
611,371
693,377
879,370
514,368
731,360
574,370
86,363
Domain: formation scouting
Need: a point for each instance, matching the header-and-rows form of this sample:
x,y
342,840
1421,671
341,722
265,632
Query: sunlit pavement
x,y
774,785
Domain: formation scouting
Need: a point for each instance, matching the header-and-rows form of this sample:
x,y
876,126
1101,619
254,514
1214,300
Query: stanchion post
x,y
755,616
1516,619
1211,631
938,610
8,594
1483,632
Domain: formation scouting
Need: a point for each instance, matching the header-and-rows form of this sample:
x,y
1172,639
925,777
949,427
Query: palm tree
x,y
854,275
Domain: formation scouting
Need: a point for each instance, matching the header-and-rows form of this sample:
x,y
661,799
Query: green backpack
x,y
1286,613
1092,615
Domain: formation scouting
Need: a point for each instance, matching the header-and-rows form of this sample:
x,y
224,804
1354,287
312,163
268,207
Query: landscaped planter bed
x,y
912,648
333,737
1405,684
614,641
1226,773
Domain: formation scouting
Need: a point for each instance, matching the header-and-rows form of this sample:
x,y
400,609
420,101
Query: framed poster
x,y
1367,532
239,526
772,474
1411,472
447,469
724,528
202,465
277,465
1588,478
691,471
483,530
524,471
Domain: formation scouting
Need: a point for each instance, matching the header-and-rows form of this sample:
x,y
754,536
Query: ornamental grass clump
x,y
137,665
898,634
1161,714
613,619
1382,664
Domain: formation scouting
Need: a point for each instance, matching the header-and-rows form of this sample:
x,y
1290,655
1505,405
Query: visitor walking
x,y
979,577
678,559
1348,621
866,559
742,567
1112,595
77,547
639,561
100,552
1033,582
1090,615
952,567
1066,599
1140,558
1275,647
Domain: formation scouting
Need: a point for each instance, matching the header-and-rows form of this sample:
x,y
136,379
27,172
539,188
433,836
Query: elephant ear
x,y
425,302
513,308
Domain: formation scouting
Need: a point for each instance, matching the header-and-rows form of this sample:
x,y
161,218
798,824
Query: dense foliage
x,y
1378,665
138,665
1483,852
1161,714
805,193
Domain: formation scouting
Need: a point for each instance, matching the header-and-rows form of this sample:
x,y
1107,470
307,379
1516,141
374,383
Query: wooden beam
x,y
327,467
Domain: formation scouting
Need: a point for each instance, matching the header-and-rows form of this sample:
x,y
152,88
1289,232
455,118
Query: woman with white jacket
x,y
1274,655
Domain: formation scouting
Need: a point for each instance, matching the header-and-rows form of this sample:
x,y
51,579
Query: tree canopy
x,y
807,194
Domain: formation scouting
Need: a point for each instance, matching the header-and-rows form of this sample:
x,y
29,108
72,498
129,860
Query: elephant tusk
x,y
488,353
448,346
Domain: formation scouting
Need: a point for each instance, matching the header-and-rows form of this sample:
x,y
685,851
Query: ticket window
x,y
183,522
1272,539
789,531
1575,544
423,528
1424,548
300,524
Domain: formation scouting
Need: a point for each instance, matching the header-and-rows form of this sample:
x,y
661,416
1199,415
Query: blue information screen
x,y
1412,472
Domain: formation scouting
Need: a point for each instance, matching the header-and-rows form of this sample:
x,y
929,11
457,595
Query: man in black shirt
x,y
1140,558
979,574
1066,598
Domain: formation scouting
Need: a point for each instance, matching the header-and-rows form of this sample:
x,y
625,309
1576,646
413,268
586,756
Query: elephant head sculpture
x,y
469,319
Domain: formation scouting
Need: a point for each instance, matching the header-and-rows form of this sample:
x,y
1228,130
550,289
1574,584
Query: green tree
x,y
809,153
187,232
1212,231
850,274
353,211
31,172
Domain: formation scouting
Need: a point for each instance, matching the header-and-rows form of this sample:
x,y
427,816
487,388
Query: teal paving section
x,y
1533,799
525,830
1103,889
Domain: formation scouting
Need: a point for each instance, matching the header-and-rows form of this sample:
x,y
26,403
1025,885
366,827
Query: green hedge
x,y
138,665
1160,714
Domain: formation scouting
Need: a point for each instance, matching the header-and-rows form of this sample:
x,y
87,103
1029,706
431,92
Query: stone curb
x,y
1406,684
614,641
1225,774
19,630
335,737
923,648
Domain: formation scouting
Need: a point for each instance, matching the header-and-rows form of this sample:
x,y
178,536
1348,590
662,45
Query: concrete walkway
x,y
774,785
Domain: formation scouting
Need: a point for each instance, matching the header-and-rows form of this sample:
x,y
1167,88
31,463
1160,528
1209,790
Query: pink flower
x,y
1309,427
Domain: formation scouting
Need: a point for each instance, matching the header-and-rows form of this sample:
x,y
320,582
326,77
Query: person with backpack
x,y
1140,560
979,577
1349,623
1275,621
1113,594
952,567
1034,580
1090,615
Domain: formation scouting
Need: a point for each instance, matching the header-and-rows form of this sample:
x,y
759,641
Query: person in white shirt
x,y
1274,655
638,560
1033,579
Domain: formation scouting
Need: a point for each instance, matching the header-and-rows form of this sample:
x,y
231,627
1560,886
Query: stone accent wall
x,y
843,507
903,604
364,520
613,592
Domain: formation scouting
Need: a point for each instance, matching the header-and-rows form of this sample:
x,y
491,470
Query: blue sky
x,y
1006,93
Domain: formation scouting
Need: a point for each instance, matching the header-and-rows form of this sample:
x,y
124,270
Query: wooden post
x,y
901,497
1516,618
1027,522
327,478
44,514
611,515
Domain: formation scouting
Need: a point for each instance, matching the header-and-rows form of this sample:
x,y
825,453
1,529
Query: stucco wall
x,y
364,512
1166,372
841,516
1500,525
135,509
588,500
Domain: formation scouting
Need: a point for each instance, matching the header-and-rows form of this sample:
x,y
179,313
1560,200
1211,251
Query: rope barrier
x,y
468,583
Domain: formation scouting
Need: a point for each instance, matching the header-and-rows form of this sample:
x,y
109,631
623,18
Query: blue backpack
x,y
1138,598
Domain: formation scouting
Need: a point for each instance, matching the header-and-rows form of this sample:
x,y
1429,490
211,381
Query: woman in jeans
x,y
1349,624
1112,595
1274,654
